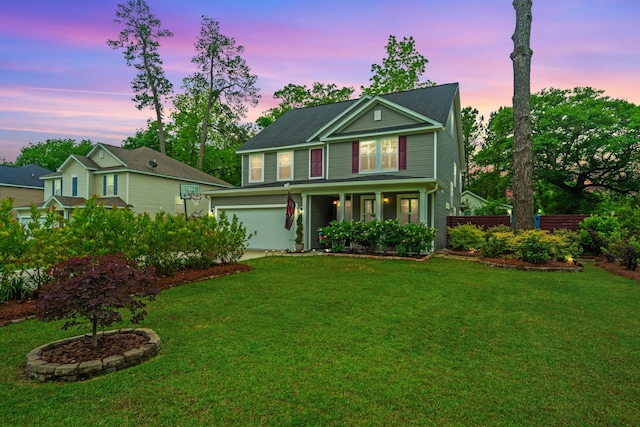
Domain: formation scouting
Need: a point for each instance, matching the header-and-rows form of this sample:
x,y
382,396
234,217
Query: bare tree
x,y
139,41
523,207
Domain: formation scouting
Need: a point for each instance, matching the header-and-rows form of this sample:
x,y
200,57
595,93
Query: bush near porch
x,y
389,235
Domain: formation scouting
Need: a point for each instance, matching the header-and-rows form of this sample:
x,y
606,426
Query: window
x,y
378,155
368,209
74,186
285,165
56,188
316,169
255,168
409,210
110,185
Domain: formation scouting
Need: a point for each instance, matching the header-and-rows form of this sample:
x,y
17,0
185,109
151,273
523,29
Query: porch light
x,y
335,201
385,200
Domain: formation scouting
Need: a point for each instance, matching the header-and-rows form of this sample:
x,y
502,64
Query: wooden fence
x,y
543,222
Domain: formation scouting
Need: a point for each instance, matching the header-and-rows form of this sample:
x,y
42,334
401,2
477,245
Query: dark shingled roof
x,y
24,176
296,126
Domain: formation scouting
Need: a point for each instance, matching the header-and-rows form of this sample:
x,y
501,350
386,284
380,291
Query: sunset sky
x,y
59,79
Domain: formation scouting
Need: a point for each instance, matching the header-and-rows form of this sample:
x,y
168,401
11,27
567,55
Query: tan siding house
x,y
142,180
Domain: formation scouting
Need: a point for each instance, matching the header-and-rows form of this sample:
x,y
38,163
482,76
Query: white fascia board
x,y
352,113
374,133
340,117
282,148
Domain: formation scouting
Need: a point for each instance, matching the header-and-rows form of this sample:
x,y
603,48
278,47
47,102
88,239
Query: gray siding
x,y
301,164
420,158
448,154
388,118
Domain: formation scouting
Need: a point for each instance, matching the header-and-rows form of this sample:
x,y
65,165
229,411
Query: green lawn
x,y
340,341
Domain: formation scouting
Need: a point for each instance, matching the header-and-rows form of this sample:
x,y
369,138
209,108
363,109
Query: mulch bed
x,y
13,310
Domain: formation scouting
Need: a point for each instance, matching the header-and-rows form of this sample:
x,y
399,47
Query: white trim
x,y
375,134
435,155
280,148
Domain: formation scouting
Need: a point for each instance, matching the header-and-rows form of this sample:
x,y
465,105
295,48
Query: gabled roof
x,y
301,125
24,176
138,160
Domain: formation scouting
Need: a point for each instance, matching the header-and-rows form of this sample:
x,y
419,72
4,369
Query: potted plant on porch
x,y
299,228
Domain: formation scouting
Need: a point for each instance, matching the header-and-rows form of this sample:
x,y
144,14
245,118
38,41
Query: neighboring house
x,y
23,184
471,201
141,179
398,155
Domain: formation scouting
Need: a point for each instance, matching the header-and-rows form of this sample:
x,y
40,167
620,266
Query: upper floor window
x,y
74,186
384,154
285,165
256,168
56,187
110,185
315,163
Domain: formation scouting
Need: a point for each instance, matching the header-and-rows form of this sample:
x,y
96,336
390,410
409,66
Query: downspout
x,y
433,212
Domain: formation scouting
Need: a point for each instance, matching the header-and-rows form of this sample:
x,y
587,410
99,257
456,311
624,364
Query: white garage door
x,y
267,227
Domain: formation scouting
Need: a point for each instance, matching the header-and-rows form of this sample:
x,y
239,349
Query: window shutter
x,y
74,186
53,187
402,152
355,157
104,185
115,185
316,162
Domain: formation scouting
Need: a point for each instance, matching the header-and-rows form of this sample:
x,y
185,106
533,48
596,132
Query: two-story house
x,y
398,155
142,179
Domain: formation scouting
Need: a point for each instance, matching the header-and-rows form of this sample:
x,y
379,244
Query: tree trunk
x,y
523,208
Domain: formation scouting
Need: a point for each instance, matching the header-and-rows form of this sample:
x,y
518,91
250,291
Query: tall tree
x,y
522,141
400,70
139,41
471,133
223,76
583,143
51,154
297,96
146,138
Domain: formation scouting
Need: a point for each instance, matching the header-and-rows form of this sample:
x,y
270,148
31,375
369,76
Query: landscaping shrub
x,y
565,244
94,289
466,237
498,243
596,232
534,246
407,239
630,258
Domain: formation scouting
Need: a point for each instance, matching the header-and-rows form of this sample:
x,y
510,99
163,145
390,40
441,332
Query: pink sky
x,y
59,79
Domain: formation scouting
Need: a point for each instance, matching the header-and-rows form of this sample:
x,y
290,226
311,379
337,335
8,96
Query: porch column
x,y
341,205
423,202
379,205
306,218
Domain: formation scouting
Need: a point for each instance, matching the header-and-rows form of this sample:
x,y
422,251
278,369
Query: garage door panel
x,y
266,226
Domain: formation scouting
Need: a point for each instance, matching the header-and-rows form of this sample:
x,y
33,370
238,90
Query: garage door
x,y
267,227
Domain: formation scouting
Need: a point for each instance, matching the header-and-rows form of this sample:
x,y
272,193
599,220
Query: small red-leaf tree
x,y
94,289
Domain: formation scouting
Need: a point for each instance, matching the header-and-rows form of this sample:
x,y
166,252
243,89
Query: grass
x,y
337,341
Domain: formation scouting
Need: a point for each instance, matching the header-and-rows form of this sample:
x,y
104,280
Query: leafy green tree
x,y
472,127
139,41
585,144
297,96
585,140
223,78
401,70
522,141
52,153
146,138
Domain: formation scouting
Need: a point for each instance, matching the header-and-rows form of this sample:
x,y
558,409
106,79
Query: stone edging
x,y
531,267
38,369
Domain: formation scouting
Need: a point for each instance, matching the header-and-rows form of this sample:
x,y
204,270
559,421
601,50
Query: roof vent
x,y
153,164
377,115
